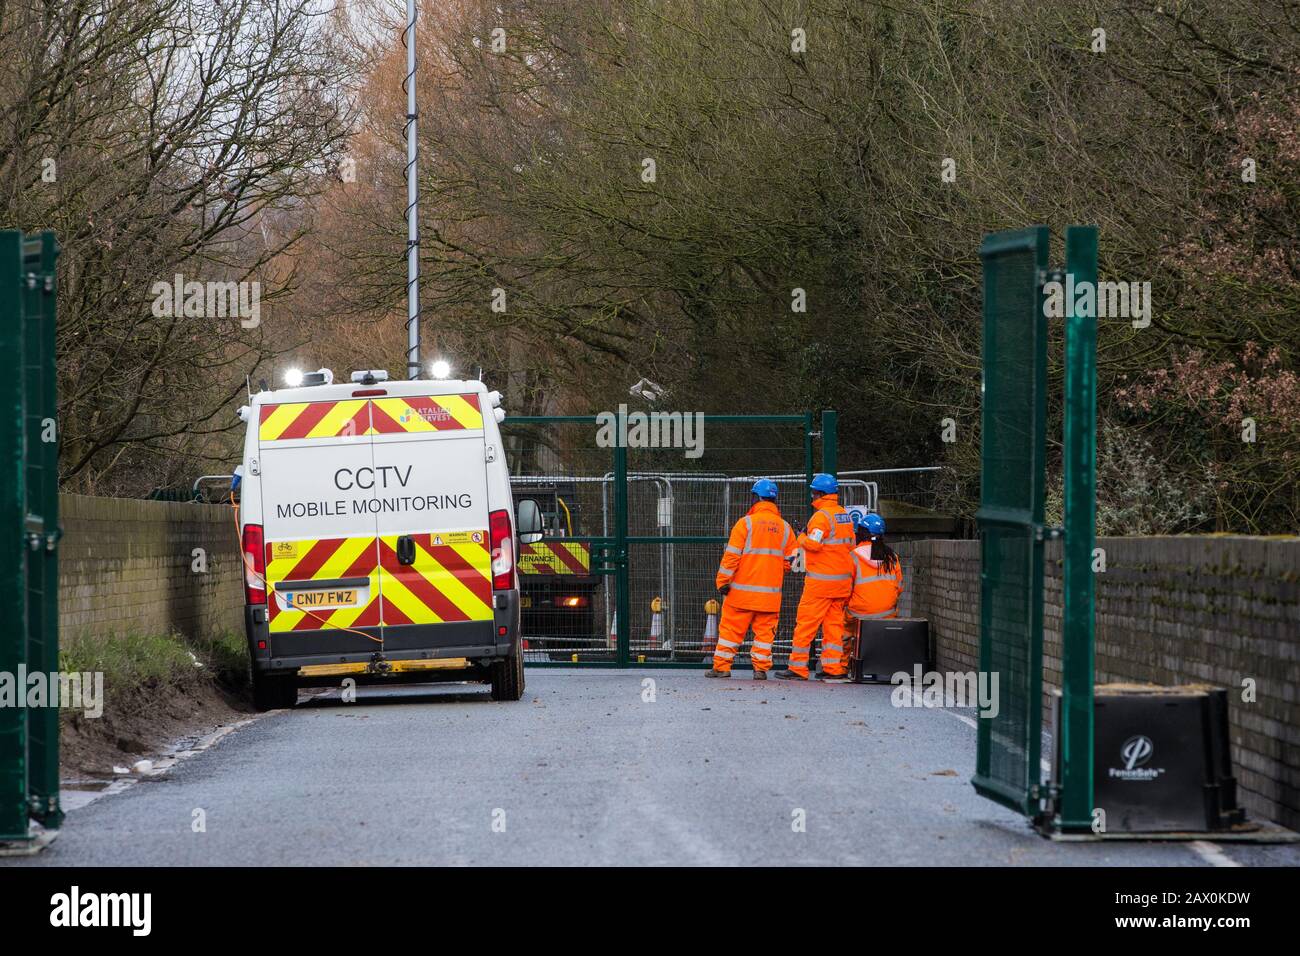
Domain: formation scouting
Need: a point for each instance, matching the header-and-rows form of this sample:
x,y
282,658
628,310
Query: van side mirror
x,y
528,519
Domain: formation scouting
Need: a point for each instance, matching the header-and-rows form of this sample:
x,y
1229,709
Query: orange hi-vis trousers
x,y
731,635
827,615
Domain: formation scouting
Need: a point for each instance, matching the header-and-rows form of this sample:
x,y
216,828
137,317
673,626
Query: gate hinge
x,y
1048,532
34,532
1048,797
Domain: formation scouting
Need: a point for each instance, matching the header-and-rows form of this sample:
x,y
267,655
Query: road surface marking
x,y
1212,854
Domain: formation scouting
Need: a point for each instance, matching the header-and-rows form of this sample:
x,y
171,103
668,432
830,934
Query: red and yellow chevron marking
x,y
426,413
321,560
314,420
451,581
380,416
554,557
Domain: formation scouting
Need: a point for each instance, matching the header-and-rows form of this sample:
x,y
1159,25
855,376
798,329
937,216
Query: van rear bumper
x,y
474,640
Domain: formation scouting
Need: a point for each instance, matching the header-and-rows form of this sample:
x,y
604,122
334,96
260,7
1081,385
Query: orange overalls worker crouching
x,y
758,555
828,581
877,574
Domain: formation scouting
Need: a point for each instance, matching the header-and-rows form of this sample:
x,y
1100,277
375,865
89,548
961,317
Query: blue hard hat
x,y
871,521
824,483
765,488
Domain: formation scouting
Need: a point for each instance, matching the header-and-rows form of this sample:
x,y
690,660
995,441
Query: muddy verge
x,y
142,723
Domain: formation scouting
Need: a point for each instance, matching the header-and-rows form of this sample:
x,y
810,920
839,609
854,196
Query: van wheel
x,y
272,691
508,677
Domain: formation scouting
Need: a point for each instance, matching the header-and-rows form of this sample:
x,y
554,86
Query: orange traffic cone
x,y
710,642
613,631
656,622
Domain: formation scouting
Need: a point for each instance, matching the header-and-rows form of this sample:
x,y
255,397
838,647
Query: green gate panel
x,y
654,524
39,374
13,522
1010,516
29,501
1075,735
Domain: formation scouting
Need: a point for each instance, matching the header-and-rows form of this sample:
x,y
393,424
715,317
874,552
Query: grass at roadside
x,y
157,688
138,666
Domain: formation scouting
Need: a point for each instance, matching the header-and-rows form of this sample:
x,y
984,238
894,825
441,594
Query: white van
x,y
378,537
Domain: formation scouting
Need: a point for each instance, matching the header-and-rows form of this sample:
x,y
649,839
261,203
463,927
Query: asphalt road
x,y
584,771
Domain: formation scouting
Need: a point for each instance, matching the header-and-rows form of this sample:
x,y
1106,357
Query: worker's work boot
x,y
833,678
714,672
760,675
788,674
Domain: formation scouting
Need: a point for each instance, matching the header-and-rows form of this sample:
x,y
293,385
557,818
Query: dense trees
x,y
746,201
163,138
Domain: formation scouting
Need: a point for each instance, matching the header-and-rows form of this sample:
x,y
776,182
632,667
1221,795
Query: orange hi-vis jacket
x,y
828,547
756,559
875,591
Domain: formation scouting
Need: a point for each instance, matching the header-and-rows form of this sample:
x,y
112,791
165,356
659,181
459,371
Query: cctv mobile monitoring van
x,y
378,535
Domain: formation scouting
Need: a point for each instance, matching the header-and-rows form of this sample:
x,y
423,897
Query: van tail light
x,y
502,541
254,565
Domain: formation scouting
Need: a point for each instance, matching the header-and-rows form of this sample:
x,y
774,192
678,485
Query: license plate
x,y
525,601
311,600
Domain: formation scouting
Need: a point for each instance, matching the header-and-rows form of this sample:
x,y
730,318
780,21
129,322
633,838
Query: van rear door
x,y
322,549
431,508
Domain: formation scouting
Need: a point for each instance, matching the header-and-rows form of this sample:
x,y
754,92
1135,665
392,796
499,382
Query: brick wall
x,y
129,566
1170,610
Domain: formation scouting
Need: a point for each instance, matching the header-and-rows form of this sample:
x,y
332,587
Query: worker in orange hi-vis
x,y
753,566
827,545
877,573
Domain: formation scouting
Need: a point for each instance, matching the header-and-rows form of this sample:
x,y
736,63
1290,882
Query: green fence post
x,y
622,594
13,533
808,465
830,441
1075,735
39,283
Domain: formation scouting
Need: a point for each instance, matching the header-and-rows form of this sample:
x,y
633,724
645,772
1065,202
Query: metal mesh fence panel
x,y
903,490
1011,513
567,601
682,495
29,736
